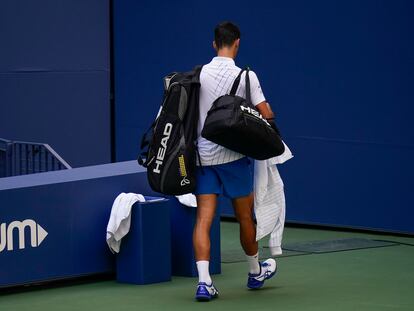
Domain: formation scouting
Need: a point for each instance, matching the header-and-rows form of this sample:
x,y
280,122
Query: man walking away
x,y
224,171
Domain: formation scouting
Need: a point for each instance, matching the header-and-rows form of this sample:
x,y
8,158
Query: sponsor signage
x,y
7,231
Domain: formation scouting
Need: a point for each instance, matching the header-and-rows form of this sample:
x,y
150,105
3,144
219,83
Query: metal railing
x,y
21,158
5,157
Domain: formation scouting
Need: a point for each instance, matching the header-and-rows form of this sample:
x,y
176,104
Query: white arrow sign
x,y
41,234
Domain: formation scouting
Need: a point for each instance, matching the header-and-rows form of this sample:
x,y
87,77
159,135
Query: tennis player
x,y
224,171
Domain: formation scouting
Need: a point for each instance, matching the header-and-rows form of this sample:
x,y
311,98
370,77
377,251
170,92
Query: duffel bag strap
x,y
237,82
248,96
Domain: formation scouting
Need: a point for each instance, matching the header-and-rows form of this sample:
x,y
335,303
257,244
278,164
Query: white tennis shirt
x,y
216,79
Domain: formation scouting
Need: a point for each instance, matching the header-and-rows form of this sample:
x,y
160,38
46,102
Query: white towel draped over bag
x,y
269,200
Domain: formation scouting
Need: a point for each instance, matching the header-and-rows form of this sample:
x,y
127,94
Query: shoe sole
x,y
261,284
204,298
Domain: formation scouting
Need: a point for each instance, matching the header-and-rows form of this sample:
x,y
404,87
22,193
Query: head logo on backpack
x,y
168,149
162,148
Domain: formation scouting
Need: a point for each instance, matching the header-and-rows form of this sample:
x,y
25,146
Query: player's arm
x,y
267,113
257,97
260,102
265,110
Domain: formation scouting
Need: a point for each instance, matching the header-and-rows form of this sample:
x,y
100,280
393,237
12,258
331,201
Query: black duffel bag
x,y
233,122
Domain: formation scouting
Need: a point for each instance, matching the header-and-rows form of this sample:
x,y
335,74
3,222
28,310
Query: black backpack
x,y
168,148
233,122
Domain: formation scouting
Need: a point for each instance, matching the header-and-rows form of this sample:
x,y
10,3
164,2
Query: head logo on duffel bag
x,y
254,113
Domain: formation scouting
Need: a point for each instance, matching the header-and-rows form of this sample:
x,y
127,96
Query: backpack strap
x,y
145,142
197,71
237,82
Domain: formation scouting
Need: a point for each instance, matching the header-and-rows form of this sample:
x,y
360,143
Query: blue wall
x,y
337,73
54,76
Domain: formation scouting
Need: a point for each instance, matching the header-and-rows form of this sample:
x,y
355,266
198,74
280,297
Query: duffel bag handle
x,y
248,96
237,82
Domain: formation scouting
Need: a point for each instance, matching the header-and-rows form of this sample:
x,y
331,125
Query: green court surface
x,y
378,278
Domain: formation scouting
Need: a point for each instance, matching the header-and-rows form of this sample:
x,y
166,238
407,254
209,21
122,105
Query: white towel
x,y
269,200
188,199
120,219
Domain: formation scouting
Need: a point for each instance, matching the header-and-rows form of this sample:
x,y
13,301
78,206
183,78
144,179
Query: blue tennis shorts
x,y
233,179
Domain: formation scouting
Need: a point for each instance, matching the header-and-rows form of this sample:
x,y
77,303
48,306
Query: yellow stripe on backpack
x,y
181,161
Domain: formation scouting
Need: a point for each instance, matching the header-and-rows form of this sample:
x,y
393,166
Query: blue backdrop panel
x,y
321,64
73,207
49,35
69,111
362,185
54,71
333,71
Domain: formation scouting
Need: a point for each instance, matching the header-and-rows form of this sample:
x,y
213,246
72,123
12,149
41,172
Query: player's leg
x,y
258,271
237,182
206,208
208,187
243,210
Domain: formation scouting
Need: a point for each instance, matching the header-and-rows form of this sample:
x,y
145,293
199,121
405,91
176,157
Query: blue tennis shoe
x,y
206,292
268,269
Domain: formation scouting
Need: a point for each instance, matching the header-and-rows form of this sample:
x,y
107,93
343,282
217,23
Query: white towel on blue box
x,y
120,219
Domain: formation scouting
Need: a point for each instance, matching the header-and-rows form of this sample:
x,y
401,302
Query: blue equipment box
x,y
145,253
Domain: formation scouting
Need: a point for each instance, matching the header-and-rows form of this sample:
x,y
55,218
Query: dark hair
x,y
225,34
